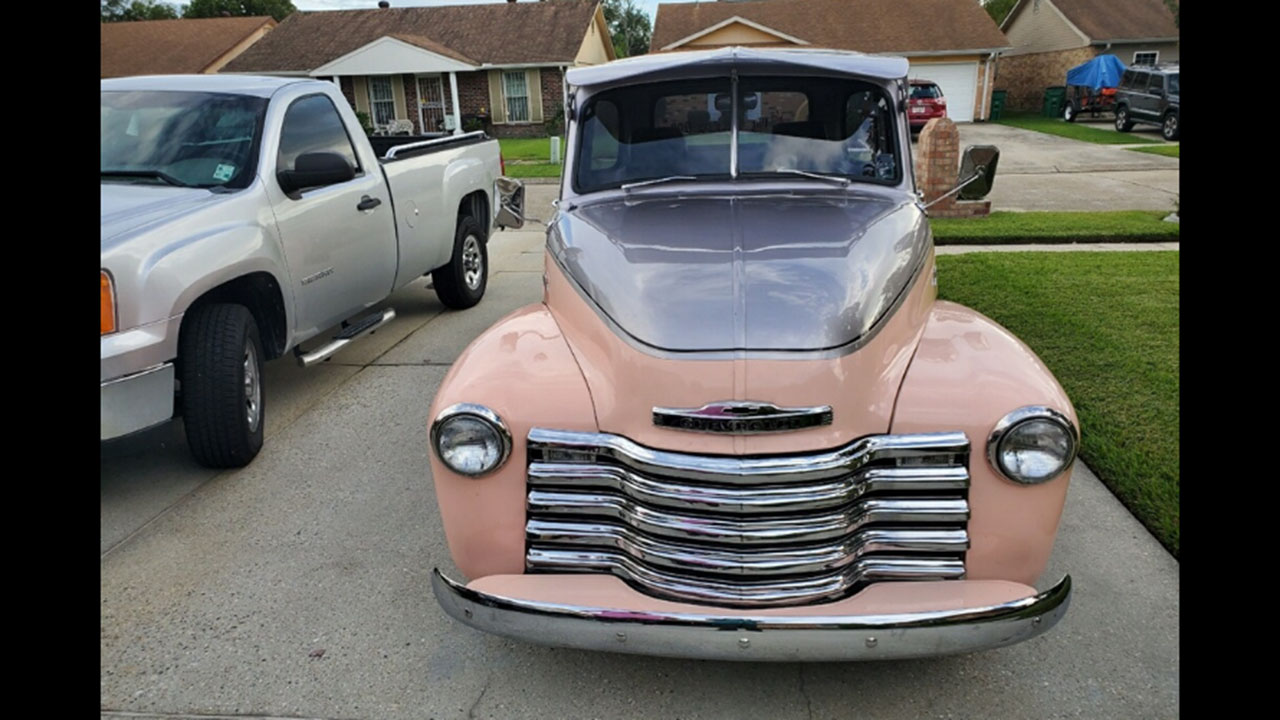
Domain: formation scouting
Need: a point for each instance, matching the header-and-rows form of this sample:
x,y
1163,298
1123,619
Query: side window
x,y
1157,83
1140,81
1126,80
312,124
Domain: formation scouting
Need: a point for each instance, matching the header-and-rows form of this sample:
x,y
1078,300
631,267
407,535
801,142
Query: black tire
x,y
1069,112
1170,129
462,282
220,354
1123,123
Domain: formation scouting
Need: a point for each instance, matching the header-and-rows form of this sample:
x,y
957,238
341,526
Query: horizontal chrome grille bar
x,y
785,591
749,530
766,561
750,499
579,447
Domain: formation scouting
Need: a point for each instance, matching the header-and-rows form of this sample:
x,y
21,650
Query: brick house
x,y
443,68
1050,37
177,47
950,42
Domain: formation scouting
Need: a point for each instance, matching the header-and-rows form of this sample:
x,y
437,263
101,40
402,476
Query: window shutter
x,y
397,94
361,84
497,107
533,81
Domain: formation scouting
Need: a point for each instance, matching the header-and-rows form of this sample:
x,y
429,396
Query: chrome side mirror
x,y
510,203
978,171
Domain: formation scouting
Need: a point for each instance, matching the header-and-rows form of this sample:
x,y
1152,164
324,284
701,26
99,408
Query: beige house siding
x,y
240,47
1125,51
733,34
1040,27
597,47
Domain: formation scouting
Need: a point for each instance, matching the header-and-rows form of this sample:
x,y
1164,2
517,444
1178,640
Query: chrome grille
x,y
749,531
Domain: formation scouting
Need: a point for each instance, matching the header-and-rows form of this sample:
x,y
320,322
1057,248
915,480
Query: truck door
x,y
339,239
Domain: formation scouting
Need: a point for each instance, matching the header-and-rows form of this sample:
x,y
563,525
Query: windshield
x,y
180,138
786,125
1173,84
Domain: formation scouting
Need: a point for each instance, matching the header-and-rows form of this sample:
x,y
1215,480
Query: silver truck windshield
x,y
188,139
786,126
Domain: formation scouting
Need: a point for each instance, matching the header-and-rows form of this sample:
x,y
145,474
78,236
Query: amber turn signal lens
x,y
108,305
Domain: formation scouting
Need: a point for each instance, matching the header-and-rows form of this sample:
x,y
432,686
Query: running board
x,y
349,334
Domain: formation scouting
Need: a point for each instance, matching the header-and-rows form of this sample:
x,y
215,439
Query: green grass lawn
x,y
1032,227
1075,131
527,148
1166,150
1106,324
532,170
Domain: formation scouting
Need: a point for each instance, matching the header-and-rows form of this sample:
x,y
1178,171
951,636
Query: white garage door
x,y
959,83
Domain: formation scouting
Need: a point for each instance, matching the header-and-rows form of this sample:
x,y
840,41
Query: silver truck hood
x,y
762,273
128,207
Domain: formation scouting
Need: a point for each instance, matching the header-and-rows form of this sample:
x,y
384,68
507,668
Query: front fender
x,y
968,372
522,369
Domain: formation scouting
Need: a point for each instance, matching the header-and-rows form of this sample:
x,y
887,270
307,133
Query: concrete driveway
x,y
298,587
1038,171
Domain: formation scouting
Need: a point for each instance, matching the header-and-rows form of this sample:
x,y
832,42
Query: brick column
x,y
938,170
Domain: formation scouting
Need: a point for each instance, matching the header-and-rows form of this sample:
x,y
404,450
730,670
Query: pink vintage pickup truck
x,y
740,425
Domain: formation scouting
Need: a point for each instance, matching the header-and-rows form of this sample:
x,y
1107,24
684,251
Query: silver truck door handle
x,y
368,203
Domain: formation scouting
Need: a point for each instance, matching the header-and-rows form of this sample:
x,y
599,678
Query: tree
x,y
629,27
1173,6
278,9
998,9
126,10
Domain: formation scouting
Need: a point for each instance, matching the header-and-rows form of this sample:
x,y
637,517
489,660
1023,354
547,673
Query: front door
x,y
340,245
431,103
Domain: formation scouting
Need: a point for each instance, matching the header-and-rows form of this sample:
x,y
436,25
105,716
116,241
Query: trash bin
x,y
1053,97
997,103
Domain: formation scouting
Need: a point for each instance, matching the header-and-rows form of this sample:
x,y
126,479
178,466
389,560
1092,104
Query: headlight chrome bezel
x,y
485,415
1018,417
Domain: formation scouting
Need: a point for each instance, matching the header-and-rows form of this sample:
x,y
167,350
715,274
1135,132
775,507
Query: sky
x,y
648,5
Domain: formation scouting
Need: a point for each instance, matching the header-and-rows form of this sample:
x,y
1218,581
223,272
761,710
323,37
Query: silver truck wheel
x,y
462,282
220,354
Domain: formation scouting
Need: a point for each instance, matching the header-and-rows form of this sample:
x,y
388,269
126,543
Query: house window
x,y
382,101
1146,58
516,93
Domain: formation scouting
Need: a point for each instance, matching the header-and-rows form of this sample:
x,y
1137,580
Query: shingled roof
x,y
1109,21
164,47
870,26
492,34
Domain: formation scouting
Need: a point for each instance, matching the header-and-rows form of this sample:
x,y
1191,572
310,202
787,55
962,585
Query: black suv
x,y
1149,94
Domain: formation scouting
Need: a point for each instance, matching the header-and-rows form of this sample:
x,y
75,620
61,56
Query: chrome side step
x,y
349,334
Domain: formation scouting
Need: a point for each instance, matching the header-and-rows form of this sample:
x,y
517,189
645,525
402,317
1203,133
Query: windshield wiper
x,y
670,178
841,179
154,174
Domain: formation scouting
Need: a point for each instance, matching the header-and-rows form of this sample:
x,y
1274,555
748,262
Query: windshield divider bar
x,y
733,124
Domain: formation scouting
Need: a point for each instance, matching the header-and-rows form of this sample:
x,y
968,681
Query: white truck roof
x,y
688,64
257,85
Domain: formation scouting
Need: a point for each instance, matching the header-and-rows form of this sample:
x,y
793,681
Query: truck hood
x,y
127,208
754,273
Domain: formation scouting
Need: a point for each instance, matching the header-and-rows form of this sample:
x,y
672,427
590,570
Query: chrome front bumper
x,y
136,402
760,637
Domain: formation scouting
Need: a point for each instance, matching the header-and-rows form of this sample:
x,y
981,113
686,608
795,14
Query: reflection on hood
x,y
771,273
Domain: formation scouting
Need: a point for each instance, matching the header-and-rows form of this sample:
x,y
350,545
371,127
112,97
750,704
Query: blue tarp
x,y
1101,72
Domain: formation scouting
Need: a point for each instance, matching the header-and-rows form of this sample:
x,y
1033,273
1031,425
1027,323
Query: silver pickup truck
x,y
243,216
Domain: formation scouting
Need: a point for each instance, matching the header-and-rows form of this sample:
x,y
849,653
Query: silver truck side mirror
x,y
510,203
978,171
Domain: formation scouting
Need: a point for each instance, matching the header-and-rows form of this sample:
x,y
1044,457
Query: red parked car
x,y
926,103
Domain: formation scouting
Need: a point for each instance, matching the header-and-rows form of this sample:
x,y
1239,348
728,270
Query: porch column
x,y
337,81
453,95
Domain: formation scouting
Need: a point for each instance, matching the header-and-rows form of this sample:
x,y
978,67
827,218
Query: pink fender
x,y
522,369
967,374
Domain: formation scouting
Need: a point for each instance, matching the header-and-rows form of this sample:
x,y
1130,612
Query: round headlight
x,y
471,439
1032,445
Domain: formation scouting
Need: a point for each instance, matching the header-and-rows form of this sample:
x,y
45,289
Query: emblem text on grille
x,y
741,418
